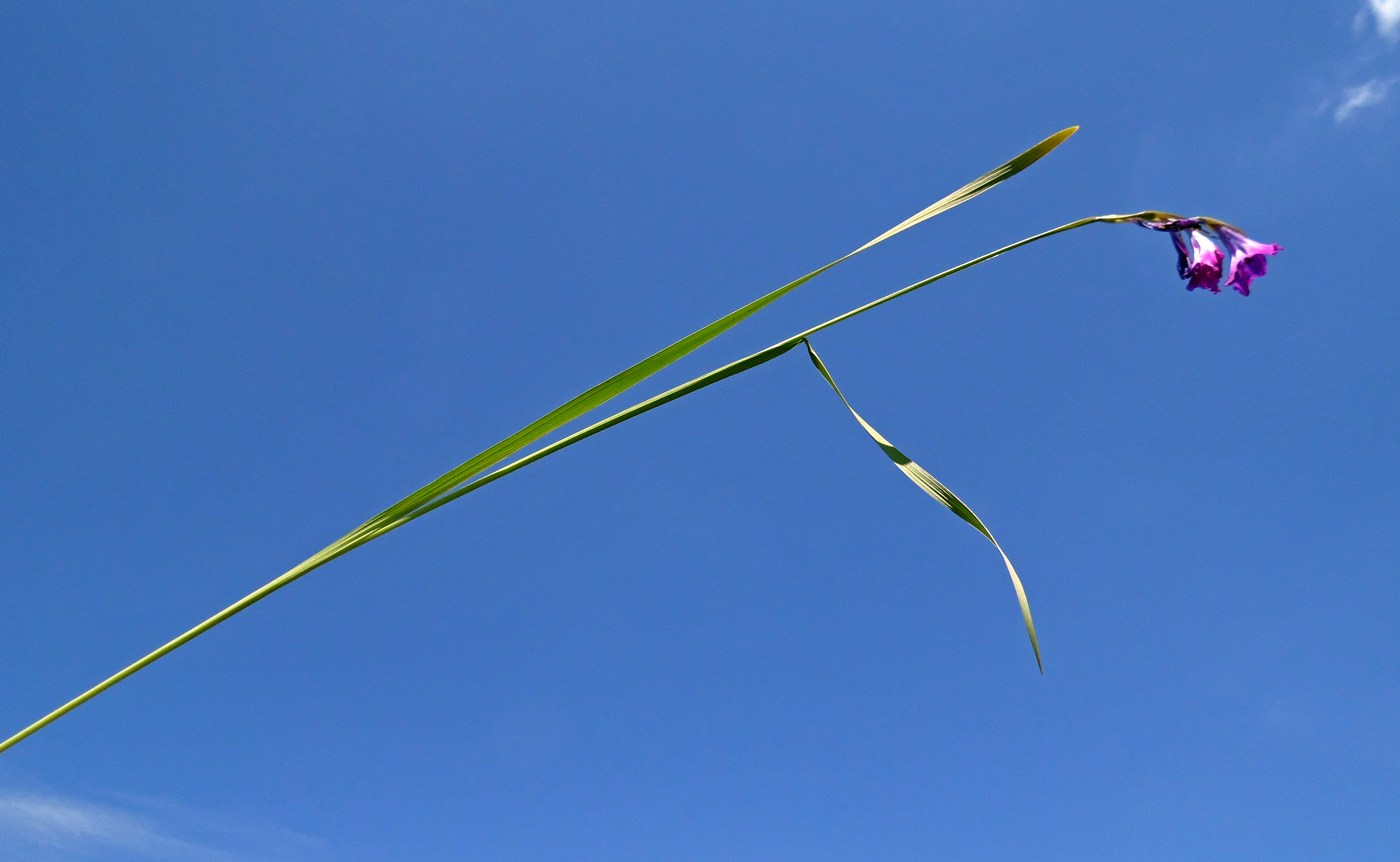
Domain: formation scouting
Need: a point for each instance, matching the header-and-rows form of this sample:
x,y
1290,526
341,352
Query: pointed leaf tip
x,y
994,177
1054,141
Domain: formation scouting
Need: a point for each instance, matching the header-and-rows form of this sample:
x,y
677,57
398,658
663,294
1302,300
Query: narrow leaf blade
x,y
999,174
940,492
629,377
440,490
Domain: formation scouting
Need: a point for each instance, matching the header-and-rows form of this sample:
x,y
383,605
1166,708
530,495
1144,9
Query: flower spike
x,y
1200,260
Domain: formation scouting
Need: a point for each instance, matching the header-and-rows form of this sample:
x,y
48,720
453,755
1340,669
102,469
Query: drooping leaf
x,y
938,491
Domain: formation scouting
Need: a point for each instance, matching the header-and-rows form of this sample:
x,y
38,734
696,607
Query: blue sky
x,y
268,267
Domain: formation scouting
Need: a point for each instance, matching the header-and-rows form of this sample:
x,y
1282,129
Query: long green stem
x,y
381,525
625,379
753,360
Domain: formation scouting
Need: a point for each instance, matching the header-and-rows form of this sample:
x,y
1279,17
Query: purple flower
x,y
1202,247
1200,265
1248,259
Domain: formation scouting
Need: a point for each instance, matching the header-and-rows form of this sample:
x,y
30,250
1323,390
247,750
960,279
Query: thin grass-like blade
x,y
979,185
938,491
753,360
629,377
454,483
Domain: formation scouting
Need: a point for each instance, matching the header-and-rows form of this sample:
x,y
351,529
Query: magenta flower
x,y
1200,260
1248,259
1200,265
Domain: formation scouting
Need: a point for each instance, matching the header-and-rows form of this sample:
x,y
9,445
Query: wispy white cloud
x,y
1386,16
1353,99
67,826
54,828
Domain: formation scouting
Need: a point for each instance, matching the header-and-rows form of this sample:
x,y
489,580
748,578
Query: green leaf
x,y
938,491
724,372
629,377
979,185
454,483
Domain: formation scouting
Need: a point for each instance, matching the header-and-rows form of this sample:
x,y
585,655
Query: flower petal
x,y
1205,267
1183,260
1248,259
